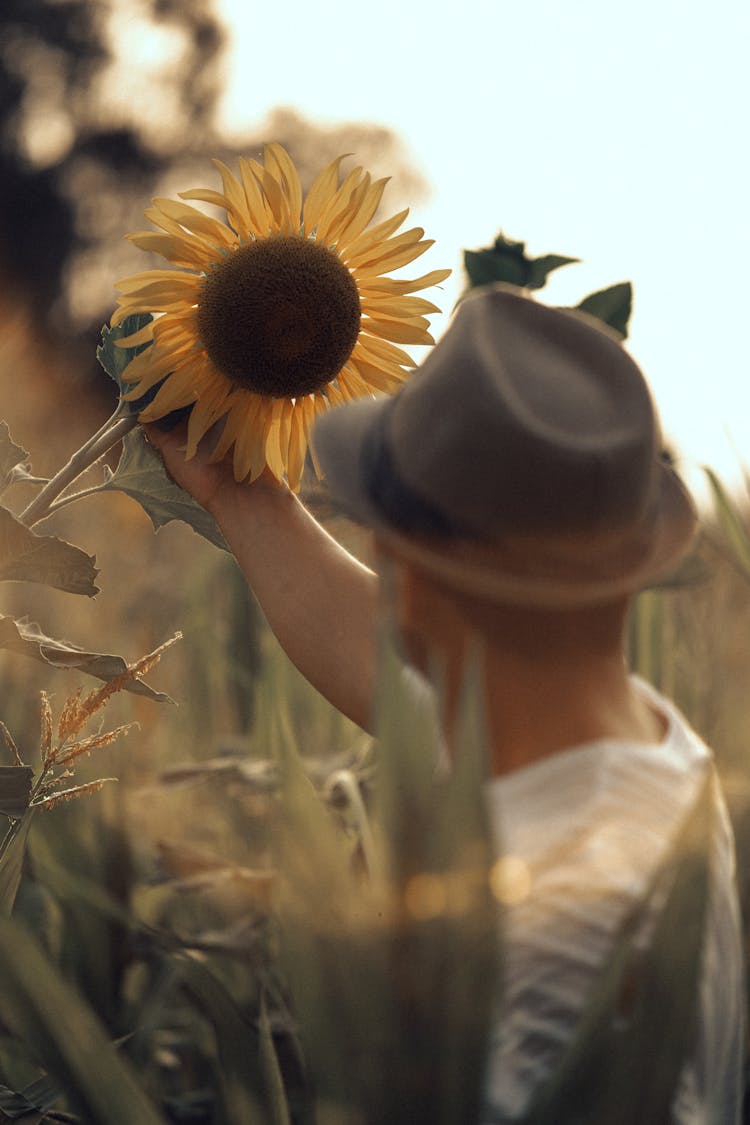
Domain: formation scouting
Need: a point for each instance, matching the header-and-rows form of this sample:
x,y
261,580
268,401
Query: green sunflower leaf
x,y
539,268
114,360
508,261
12,458
15,790
141,475
28,557
26,637
613,305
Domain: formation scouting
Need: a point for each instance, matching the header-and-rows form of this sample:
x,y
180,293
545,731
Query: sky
x,y
616,134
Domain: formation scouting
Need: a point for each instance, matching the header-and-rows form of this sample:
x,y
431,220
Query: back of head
x,y
520,463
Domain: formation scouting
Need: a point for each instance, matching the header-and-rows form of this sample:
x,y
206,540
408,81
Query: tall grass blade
x,y
730,521
38,1005
11,866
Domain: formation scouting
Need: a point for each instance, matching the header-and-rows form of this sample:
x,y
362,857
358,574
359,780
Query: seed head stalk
x,y
122,421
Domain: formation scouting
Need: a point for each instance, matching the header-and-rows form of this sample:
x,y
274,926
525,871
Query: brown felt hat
x,y
521,462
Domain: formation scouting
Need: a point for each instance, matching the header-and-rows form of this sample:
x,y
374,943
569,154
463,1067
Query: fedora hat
x,y
521,462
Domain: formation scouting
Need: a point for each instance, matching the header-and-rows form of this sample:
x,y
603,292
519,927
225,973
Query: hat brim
x,y
534,571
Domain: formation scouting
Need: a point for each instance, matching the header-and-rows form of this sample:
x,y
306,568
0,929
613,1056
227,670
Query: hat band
x,y
399,505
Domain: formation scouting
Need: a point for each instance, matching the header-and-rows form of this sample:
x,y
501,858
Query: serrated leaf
x,y
540,268
508,261
69,1041
12,456
25,637
613,305
141,475
114,360
28,557
15,790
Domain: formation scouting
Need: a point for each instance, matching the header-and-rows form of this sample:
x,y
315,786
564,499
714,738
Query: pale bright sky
x,y
612,133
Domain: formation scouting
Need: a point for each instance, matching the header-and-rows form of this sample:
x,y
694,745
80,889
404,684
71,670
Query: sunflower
x,y
276,314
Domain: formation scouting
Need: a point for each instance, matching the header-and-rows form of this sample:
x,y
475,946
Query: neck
x,y
552,681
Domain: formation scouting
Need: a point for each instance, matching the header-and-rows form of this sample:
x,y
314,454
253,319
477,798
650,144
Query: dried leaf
x,y
11,457
141,475
28,557
27,638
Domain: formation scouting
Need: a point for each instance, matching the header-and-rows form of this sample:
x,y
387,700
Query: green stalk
x,y
113,430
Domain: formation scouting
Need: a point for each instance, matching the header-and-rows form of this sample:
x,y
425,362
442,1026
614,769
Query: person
x,y
518,496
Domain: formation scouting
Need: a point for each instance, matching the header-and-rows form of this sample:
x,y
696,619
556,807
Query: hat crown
x,y
526,418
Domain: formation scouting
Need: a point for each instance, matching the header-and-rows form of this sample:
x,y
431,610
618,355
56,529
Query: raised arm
x,y
320,602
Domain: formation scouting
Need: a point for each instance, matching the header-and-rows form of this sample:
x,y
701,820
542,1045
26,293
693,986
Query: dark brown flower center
x,y
280,317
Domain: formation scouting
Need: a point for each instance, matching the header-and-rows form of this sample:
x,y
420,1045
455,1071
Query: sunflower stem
x,y
95,447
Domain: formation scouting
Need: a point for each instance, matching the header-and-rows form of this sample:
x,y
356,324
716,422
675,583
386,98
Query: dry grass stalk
x,y
10,743
72,793
93,742
77,711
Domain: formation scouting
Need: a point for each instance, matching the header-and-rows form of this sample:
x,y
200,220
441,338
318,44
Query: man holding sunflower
x,y
519,501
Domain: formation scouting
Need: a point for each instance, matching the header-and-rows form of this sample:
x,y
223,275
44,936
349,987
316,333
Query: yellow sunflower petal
x,y
237,211
297,447
196,221
348,213
322,189
400,331
333,394
257,207
395,259
389,285
337,205
213,402
152,365
148,277
378,378
385,249
181,251
248,458
142,336
207,195
375,236
365,211
373,349
349,379
276,431
312,406
281,165
232,425
275,198
180,389
396,307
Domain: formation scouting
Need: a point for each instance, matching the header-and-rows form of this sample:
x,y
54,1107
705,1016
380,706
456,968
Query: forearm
x,y
320,602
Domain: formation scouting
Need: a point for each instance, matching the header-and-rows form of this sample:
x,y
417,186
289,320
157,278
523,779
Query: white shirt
x,y
588,827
